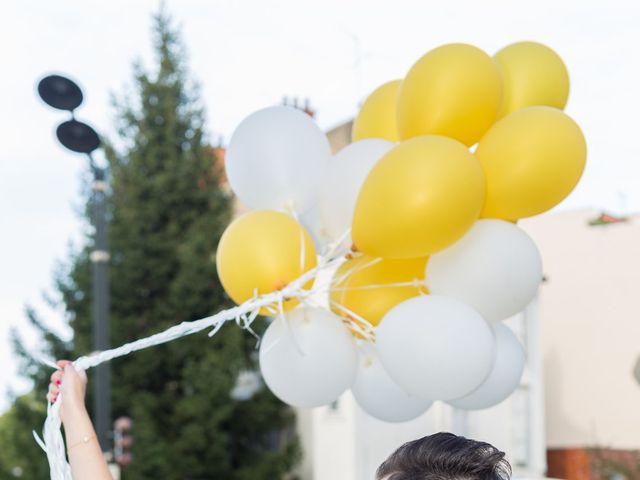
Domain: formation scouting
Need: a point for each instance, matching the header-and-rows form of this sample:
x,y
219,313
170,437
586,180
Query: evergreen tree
x,y
20,457
167,212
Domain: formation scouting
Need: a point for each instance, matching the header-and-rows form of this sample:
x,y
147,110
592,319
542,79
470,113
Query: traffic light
x,y
122,441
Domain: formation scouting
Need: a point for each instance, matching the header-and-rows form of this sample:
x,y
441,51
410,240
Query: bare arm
x,y
85,456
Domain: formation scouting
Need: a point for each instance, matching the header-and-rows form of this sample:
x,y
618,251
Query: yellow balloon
x,y
533,74
532,159
377,116
351,286
262,251
454,90
422,196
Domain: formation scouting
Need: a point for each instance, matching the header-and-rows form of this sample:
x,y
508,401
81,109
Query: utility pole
x,y
63,94
100,308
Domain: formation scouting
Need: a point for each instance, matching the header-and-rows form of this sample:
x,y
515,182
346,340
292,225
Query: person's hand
x,y
72,384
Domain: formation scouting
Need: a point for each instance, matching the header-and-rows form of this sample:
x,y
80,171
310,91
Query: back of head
x,y
445,456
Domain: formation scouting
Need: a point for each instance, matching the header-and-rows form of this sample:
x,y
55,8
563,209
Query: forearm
x,y
85,456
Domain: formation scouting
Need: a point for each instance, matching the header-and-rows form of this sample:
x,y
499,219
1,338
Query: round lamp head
x,y
77,136
60,92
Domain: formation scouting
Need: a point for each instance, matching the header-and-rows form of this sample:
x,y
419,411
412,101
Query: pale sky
x,y
248,55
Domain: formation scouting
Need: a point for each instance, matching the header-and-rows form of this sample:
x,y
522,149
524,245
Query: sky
x,y
250,54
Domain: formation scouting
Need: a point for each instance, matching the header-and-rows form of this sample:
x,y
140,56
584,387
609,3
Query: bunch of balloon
x,y
479,143
414,227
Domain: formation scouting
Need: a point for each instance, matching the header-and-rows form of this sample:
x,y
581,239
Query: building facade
x,y
590,339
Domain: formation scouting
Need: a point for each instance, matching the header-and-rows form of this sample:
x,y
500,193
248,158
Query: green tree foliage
x,y
20,457
167,212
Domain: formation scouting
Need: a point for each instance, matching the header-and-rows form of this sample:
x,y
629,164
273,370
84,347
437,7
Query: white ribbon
x,y
244,315
52,442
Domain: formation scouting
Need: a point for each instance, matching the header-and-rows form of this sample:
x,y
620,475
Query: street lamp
x,y
63,94
60,92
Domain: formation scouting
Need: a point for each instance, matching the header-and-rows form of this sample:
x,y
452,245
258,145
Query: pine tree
x,y
167,212
20,457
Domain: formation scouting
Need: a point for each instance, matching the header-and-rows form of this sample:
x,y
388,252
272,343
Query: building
x,y
590,340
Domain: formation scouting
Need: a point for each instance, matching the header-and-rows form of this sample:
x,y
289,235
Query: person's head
x,y
445,456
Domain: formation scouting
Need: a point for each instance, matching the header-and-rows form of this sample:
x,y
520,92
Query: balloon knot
x,y
280,284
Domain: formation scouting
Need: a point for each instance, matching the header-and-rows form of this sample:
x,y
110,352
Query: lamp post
x,y
63,94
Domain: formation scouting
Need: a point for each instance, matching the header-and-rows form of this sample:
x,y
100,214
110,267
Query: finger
x,y
53,393
56,377
69,369
63,363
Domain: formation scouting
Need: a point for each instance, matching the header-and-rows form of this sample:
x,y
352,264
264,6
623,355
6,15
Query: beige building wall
x,y
590,329
340,136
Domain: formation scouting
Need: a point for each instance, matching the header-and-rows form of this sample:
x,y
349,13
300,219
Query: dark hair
x,y
445,456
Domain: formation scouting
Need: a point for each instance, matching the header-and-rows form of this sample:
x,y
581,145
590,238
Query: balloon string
x,y
287,327
244,314
292,211
356,269
303,255
356,322
417,283
44,360
332,248
288,206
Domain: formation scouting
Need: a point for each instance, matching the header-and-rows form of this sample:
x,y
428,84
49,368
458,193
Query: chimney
x,y
295,103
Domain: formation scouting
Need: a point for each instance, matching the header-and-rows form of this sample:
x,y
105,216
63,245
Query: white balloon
x,y
505,374
378,395
276,159
344,177
312,221
435,347
309,361
495,268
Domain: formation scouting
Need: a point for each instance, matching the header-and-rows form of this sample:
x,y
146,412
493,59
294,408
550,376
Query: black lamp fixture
x,y
60,92
63,93
77,136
